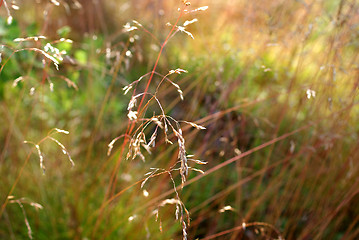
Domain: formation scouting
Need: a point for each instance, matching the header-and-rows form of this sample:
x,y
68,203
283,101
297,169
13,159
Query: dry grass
x,y
266,93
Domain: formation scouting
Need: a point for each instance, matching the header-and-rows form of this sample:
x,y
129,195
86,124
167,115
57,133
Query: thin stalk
x,y
130,127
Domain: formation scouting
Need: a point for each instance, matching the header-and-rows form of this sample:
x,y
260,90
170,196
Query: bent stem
x,y
130,127
14,184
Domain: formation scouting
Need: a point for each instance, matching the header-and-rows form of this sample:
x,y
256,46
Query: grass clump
x,y
234,123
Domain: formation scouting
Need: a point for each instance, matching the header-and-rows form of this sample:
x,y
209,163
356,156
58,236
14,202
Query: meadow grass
x,y
274,84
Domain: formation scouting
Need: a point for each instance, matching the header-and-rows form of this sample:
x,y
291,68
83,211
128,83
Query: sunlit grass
x,y
275,84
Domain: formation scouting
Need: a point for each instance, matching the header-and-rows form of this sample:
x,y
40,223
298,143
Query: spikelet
x,y
195,125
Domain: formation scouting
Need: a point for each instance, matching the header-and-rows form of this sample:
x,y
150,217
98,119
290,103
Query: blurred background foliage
x,y
279,73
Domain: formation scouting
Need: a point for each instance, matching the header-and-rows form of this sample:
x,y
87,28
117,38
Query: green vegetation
x,y
116,124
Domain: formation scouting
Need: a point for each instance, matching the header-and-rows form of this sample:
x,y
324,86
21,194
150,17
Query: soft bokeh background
x,y
274,82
